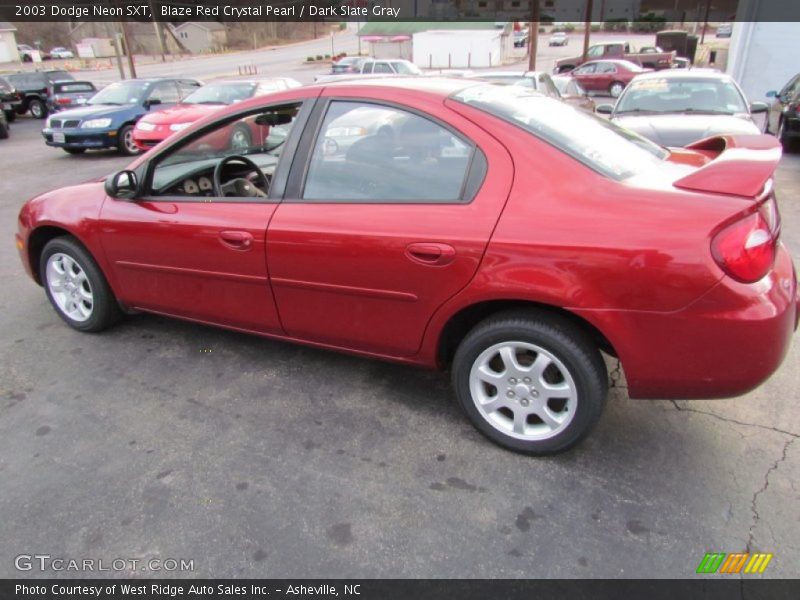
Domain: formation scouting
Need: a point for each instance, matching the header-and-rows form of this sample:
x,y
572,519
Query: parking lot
x,y
252,458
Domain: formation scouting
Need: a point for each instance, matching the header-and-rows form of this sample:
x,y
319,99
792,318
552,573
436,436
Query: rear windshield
x,y
69,88
599,144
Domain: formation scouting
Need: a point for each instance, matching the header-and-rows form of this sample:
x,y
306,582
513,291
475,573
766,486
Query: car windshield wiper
x,y
106,103
207,102
640,111
704,111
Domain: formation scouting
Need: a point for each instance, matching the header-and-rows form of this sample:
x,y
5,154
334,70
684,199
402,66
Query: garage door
x,y
5,52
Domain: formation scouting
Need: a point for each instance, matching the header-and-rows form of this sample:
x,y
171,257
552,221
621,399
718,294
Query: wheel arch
x,y
38,239
460,323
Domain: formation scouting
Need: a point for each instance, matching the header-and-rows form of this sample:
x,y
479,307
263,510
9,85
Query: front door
x,y
194,246
387,219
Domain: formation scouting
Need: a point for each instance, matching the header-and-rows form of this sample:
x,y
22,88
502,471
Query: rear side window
x,y
58,76
376,153
69,88
599,144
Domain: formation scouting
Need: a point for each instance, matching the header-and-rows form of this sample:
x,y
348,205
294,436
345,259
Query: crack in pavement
x,y
753,509
728,420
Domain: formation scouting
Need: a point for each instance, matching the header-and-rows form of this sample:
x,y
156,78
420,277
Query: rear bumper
x,y
723,345
78,138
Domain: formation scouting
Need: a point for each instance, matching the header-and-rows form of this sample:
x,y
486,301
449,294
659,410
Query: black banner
x,y
231,11
402,589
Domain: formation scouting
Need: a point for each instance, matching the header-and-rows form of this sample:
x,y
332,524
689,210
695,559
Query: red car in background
x,y
609,76
491,231
154,128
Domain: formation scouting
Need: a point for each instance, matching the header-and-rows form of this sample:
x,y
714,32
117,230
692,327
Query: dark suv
x,y
10,100
34,87
784,115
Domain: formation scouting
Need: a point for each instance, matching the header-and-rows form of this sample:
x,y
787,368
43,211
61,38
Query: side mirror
x,y
772,94
605,109
151,102
122,185
758,107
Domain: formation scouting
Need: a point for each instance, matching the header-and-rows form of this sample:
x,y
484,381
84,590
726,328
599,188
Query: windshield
x,y
667,95
599,144
407,68
124,92
221,93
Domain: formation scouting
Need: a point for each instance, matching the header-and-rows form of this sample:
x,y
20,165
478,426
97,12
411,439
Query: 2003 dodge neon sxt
x,y
445,223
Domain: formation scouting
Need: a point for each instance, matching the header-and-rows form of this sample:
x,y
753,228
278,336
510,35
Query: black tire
x,y
38,109
27,58
786,141
566,68
556,336
11,116
123,146
241,138
74,150
105,309
3,130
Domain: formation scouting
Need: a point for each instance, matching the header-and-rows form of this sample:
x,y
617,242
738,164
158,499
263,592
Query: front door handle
x,y
431,253
238,240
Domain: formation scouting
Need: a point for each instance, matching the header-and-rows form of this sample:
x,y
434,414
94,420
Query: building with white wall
x,y
8,43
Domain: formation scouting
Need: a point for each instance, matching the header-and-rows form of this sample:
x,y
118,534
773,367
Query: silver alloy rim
x,y
616,90
130,145
36,109
239,140
69,287
523,391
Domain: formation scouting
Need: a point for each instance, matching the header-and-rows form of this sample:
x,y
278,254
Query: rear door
x,y
385,217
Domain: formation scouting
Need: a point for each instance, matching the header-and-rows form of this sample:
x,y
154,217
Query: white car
x,y
559,38
61,52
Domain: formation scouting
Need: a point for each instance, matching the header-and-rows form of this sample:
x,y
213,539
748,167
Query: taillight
x,y
745,250
63,101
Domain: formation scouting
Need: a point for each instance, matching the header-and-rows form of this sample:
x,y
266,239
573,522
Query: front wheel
x,y
615,89
126,144
76,287
11,116
786,141
530,382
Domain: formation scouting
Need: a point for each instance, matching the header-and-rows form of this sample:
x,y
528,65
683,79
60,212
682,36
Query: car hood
x,y
181,113
679,129
95,111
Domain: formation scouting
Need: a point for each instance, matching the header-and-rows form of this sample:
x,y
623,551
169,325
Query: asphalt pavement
x,y
253,458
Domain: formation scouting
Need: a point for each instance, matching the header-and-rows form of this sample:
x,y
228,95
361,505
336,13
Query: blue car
x,y
108,118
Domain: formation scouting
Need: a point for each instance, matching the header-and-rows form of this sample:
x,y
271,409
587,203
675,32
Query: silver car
x,y
676,108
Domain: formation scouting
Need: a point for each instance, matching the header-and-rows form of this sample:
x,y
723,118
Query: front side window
x,y
123,92
596,142
405,68
259,137
371,152
606,68
382,68
166,92
595,51
586,69
221,93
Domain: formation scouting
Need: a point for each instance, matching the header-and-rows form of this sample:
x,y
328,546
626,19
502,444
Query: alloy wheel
x,y
69,287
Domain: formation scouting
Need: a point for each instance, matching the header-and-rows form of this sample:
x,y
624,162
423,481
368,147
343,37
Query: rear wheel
x,y
530,382
3,130
126,145
37,108
76,287
615,89
11,116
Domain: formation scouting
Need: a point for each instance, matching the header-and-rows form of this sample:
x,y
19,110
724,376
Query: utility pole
x,y
533,35
117,51
128,51
705,21
159,33
587,28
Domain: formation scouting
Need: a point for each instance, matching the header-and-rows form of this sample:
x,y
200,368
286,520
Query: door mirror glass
x,y
758,107
122,184
605,109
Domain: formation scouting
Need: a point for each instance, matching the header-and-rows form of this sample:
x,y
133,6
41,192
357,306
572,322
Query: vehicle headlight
x,y
178,126
145,126
96,124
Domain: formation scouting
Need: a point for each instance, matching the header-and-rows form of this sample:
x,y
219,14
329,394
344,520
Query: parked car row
x,y
26,53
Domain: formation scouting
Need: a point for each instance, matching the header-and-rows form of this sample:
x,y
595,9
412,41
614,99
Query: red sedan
x,y
608,76
447,224
159,125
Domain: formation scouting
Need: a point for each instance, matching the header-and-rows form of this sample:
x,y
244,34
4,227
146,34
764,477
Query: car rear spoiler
x,y
741,165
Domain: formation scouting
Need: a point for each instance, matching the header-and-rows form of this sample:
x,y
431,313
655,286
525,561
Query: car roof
x,y
685,74
437,86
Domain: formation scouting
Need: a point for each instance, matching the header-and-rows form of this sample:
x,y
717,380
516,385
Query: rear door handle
x,y
431,253
238,240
